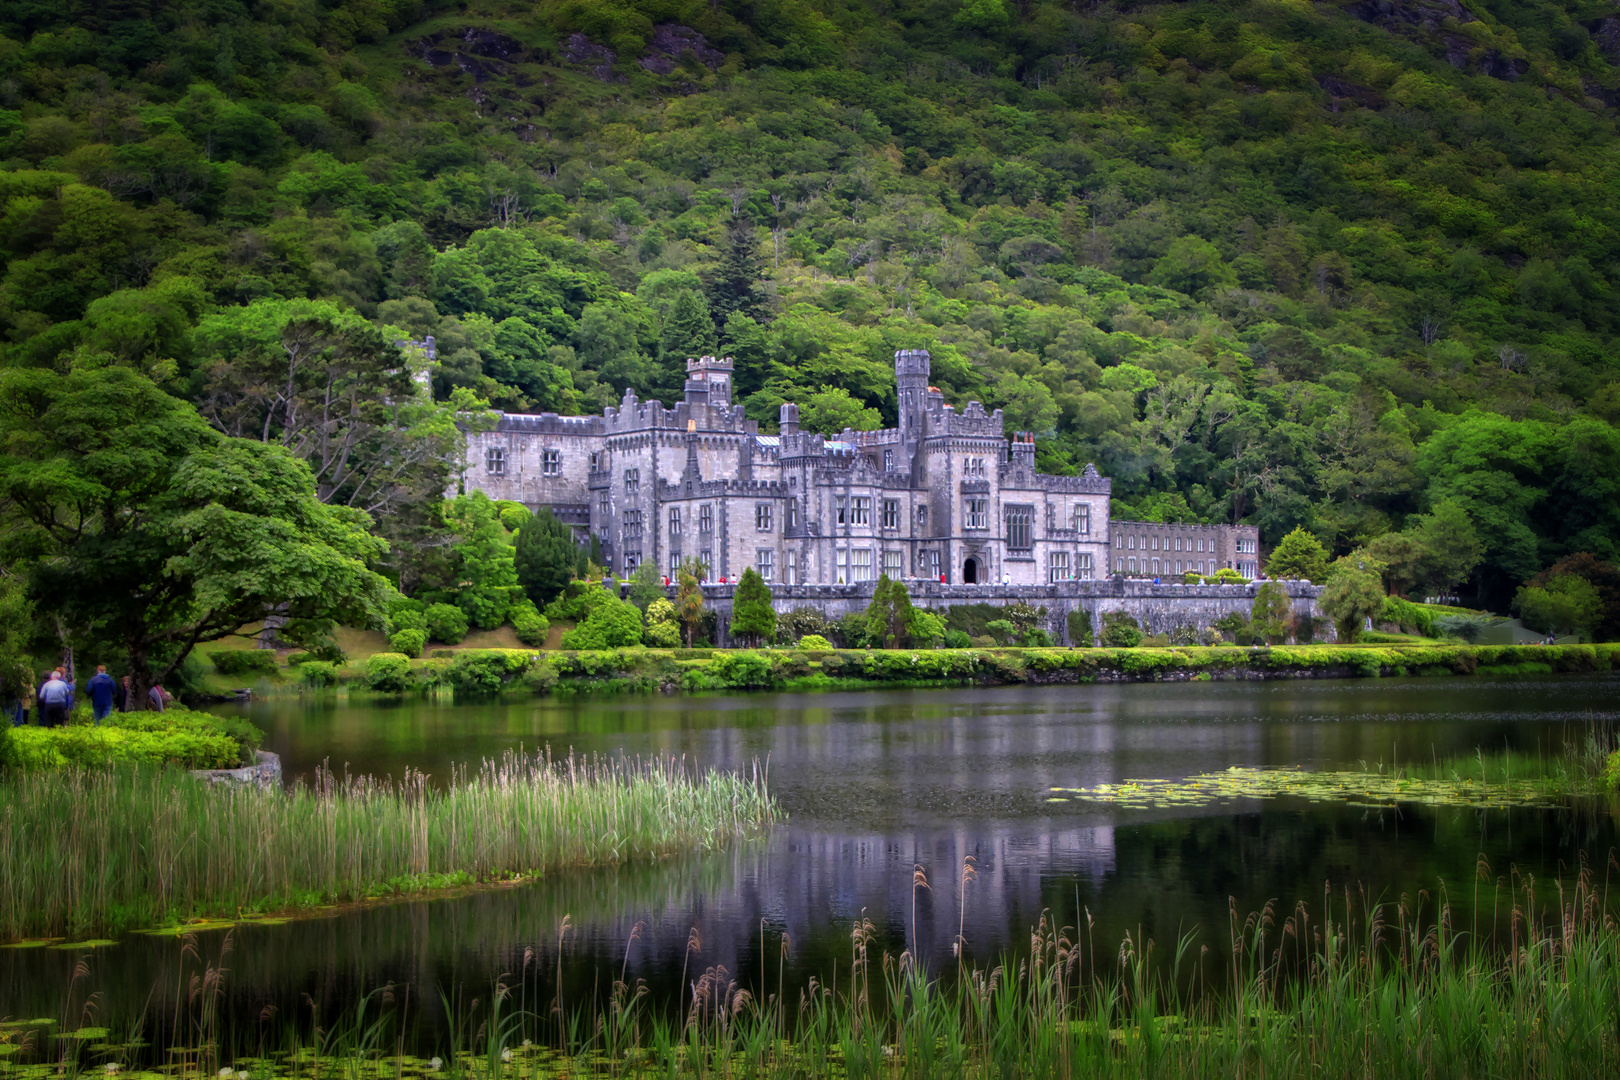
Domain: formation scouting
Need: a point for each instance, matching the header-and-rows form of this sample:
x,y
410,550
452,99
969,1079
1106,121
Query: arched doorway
x,y
970,571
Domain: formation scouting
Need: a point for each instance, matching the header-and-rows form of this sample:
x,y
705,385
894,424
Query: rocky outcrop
x,y
671,41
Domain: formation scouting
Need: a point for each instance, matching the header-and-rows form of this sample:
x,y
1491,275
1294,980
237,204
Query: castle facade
x,y
945,497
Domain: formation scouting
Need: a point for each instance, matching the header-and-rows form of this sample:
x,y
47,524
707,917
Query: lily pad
x,y
1377,790
93,943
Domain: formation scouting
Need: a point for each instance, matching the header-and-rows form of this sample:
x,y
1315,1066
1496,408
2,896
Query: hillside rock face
x,y
670,41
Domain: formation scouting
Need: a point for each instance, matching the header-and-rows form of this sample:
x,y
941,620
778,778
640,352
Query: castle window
x,y
706,518
1119,566
632,523
1130,565
790,568
632,481
891,513
762,517
888,461
706,564
632,559
973,514
894,564
1130,542
674,521
922,515
1119,540
1083,570
1057,566
603,506
1155,543
674,564
1020,527
860,564
860,510
842,560
1155,567
765,563
928,564
596,461
551,462
495,460
793,513
1082,518
841,509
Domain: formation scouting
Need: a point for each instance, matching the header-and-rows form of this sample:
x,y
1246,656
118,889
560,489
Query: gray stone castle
x,y
946,501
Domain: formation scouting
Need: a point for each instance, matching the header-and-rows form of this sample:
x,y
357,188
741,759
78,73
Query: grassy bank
x,y
641,669
85,852
1341,990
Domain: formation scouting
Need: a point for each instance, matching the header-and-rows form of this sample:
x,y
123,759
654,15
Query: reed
x,y
1350,989
92,852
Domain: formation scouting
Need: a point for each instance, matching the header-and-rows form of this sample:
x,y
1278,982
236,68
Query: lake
x,y
877,784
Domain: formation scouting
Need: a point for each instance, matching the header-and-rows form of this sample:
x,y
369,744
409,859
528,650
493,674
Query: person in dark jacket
x,y
101,691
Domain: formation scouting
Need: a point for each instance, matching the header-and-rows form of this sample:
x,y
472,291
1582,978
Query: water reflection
x,y
876,784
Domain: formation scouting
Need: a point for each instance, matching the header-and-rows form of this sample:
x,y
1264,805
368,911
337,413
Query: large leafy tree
x,y
1300,556
160,534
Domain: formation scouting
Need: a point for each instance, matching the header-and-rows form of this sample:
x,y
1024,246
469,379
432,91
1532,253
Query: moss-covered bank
x,y
668,670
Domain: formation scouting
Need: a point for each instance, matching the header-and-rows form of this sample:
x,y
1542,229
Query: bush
x,y
244,661
577,601
193,740
958,639
743,670
814,641
530,626
1466,627
1036,639
855,629
406,614
1611,772
1120,631
446,623
1080,628
407,642
477,673
294,659
800,622
389,672
612,623
318,673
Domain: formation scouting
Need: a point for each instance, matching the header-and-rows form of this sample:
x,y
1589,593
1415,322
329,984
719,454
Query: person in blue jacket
x,y
101,691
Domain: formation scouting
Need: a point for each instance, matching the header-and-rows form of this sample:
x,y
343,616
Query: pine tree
x,y
752,616
547,557
889,615
688,330
736,283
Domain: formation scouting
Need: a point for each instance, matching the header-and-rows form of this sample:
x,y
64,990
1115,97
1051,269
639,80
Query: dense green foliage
x,y
1334,267
752,618
193,740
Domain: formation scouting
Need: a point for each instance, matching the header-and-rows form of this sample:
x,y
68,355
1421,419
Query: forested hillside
x,y
1335,265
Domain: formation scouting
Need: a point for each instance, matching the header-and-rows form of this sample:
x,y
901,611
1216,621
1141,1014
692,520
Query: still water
x,y
877,784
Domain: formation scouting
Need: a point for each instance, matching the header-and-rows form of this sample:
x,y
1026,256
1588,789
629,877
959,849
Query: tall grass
x,y
1348,990
85,852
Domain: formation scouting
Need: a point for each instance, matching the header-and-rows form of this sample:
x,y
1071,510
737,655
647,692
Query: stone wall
x,y
1158,608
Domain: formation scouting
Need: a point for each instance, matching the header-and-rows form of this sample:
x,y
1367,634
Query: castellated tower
x,y
708,381
911,386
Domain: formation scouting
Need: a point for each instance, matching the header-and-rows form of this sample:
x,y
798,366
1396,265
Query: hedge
x,y
193,740
244,661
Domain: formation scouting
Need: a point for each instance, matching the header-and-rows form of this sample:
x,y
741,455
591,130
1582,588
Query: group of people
x,y
55,697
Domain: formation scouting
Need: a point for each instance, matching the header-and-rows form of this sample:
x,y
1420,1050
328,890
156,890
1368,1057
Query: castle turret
x,y
911,391
789,418
708,381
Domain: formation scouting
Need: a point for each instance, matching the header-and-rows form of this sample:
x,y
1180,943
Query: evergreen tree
x,y
752,616
1299,555
736,283
547,558
1272,616
688,331
889,615
1354,594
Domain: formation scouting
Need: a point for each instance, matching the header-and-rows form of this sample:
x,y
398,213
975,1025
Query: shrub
x,y
743,670
1036,639
855,629
1467,627
530,626
244,661
406,614
539,677
663,626
1237,624
1001,630
958,639
446,623
799,622
477,673
318,673
577,601
1120,631
1611,772
611,624
389,672
1079,628
1227,576
513,515
407,642
442,654
814,641
294,659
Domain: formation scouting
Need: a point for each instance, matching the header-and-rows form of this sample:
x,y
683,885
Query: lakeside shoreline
x,y
488,672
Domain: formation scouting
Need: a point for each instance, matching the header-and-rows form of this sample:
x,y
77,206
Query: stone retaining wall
x,y
264,772
1159,609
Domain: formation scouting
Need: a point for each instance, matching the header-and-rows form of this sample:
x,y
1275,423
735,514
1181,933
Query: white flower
x,y
506,1055
528,1042
226,1074
435,1063
111,1068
